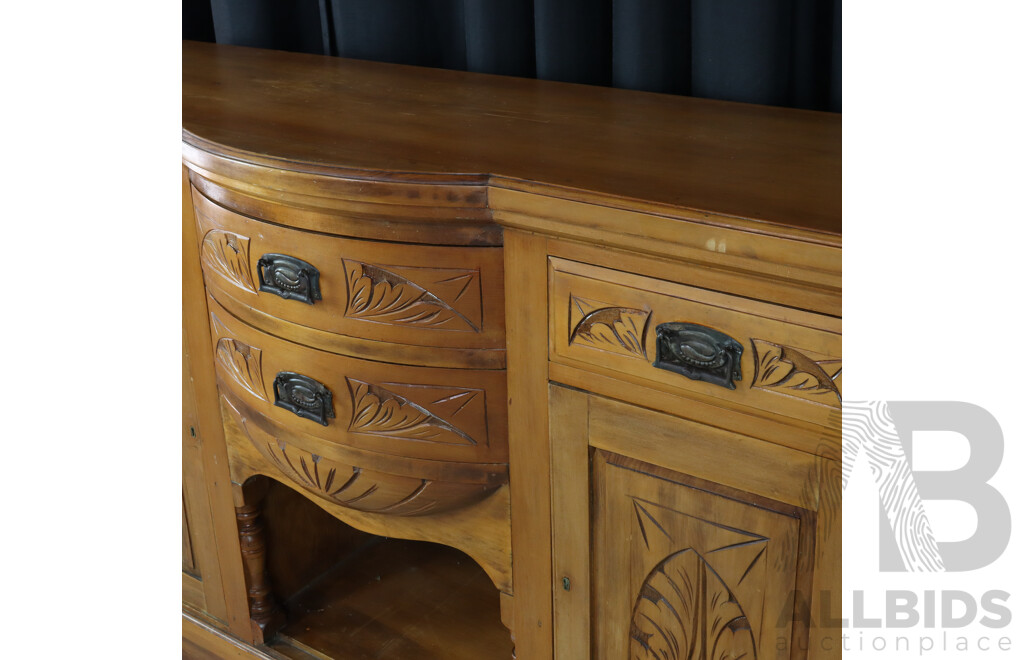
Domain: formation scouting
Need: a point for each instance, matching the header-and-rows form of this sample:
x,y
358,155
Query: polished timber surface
x,y
369,119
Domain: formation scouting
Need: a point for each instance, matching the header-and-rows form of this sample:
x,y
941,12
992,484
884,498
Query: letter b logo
x,y
883,431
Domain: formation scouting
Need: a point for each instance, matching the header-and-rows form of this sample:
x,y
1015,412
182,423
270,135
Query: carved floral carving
x,y
782,368
434,298
368,488
380,410
686,612
242,363
692,605
227,254
621,330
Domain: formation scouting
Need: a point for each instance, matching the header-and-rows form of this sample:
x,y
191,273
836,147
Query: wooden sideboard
x,y
477,365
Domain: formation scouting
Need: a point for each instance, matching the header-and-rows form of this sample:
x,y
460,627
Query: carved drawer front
x,y
409,294
683,572
677,338
403,411
357,479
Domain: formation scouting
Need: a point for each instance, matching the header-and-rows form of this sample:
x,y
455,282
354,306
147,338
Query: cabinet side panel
x,y
199,553
529,470
210,431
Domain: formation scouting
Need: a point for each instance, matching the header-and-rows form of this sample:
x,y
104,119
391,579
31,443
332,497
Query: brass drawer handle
x,y
288,277
303,396
699,353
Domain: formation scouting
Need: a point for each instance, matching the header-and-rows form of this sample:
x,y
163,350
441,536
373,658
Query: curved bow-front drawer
x,y
420,295
426,413
364,480
741,353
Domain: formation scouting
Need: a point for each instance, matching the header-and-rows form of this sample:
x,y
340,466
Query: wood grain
x,y
698,575
771,471
570,517
224,581
445,215
264,609
363,480
462,224
202,641
406,294
775,429
400,600
725,159
530,479
199,549
303,541
370,349
624,339
703,273
786,257
481,530
826,595
419,412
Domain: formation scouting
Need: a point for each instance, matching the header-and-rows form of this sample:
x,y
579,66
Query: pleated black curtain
x,y
774,52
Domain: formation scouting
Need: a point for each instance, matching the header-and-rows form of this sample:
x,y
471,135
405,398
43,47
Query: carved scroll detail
x,y
381,411
621,330
243,363
227,254
434,298
782,368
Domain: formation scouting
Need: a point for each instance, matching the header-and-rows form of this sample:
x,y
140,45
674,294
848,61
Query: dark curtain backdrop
x,y
774,52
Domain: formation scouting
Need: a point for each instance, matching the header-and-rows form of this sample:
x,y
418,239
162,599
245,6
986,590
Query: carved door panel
x,y
682,572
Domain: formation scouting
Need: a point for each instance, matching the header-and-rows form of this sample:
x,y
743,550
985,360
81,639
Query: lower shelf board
x,y
397,599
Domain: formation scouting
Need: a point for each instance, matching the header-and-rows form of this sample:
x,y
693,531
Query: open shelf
x,y
381,597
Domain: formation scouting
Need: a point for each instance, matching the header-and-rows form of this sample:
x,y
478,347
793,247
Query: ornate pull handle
x,y
698,352
288,277
303,396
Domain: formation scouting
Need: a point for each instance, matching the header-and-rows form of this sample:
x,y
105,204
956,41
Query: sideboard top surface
x,y
369,120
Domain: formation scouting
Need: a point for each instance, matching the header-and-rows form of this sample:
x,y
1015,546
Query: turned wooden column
x,y
267,618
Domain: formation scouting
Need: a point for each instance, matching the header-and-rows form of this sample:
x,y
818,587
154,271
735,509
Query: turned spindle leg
x,y
266,616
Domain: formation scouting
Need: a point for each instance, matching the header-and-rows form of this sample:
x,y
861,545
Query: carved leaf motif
x,y
350,486
689,604
227,254
380,411
620,330
243,363
785,368
686,612
358,487
385,295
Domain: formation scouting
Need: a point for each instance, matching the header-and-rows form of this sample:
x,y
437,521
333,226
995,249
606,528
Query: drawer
x,y
391,292
434,414
736,352
362,480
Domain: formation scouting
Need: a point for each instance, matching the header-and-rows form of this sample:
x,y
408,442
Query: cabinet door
x,y
683,572
697,543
